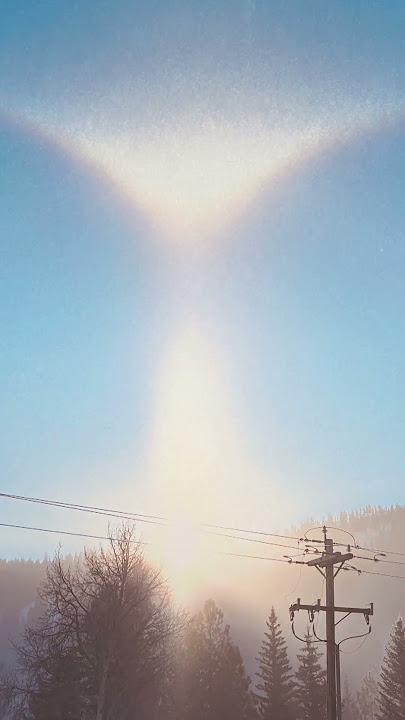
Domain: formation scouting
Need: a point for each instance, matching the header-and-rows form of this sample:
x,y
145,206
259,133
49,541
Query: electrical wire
x,y
137,542
139,517
379,560
120,514
351,652
246,539
103,537
296,586
328,527
356,546
359,571
230,554
384,552
317,618
261,557
207,528
70,533
161,520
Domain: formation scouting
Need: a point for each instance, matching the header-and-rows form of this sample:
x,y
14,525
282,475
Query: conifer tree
x,y
365,706
276,686
310,680
213,685
391,696
348,702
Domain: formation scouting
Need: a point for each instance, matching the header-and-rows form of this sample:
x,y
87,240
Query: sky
x,y
202,261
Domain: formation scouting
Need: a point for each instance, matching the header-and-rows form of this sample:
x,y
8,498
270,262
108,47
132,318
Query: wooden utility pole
x,y
328,560
338,685
330,630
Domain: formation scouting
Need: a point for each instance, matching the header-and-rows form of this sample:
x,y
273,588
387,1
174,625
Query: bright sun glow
x,y
182,547
198,468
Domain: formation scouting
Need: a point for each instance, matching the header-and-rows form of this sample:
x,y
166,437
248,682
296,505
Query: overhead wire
x,y
356,546
104,537
384,552
207,528
379,560
138,542
68,532
139,517
284,560
360,571
327,527
351,652
296,586
162,520
261,557
246,539
317,617
105,512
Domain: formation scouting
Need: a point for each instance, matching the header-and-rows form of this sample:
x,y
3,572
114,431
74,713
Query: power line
x,y
328,527
105,537
207,528
261,557
67,532
252,540
136,542
161,520
373,551
359,571
318,616
379,560
155,520
351,652
141,517
120,514
376,551
355,546
253,532
296,586
286,561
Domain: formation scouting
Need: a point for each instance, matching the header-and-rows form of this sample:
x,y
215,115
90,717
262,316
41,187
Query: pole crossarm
x,y
327,560
296,607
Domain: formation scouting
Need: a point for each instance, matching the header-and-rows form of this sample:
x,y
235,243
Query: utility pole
x,y
330,628
327,561
338,685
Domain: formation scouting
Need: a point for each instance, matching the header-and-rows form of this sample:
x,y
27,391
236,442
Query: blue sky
x,y
296,294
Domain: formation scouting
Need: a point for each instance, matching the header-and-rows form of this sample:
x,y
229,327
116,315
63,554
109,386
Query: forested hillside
x,y
281,585
250,589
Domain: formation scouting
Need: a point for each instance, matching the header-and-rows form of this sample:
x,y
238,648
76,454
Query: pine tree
x,y
213,685
391,696
365,706
348,703
276,687
310,680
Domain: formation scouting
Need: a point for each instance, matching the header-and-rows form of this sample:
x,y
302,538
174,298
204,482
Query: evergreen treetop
x,y
276,687
310,680
213,679
391,695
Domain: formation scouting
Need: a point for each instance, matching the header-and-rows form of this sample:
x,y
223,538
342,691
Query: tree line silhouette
x,y
108,643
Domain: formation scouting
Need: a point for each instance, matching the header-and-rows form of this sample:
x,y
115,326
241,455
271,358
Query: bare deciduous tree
x,y
102,646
